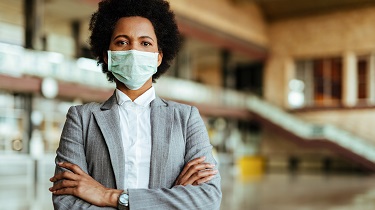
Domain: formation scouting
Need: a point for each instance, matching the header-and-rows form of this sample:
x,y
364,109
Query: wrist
x,y
112,196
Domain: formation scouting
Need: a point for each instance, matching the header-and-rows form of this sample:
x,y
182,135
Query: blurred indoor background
x,y
286,88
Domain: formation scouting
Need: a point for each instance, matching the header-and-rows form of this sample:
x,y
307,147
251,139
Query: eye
x,y
146,44
122,42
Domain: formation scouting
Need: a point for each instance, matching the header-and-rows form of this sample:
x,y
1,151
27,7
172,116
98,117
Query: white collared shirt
x,y
135,128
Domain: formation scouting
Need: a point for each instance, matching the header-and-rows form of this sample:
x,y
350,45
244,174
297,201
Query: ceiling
x,y
66,10
11,11
273,10
282,9
69,9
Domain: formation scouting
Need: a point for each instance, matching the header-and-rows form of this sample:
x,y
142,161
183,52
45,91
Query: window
x,y
362,66
322,80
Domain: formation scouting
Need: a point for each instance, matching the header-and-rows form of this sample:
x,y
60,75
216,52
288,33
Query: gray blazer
x,y
91,139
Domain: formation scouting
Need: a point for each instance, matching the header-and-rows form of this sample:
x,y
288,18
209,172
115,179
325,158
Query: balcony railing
x,y
17,61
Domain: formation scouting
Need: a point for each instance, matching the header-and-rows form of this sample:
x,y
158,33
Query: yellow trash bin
x,y
251,166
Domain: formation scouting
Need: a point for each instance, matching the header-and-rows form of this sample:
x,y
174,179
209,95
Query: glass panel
x,y
323,81
336,80
48,117
318,82
12,124
362,66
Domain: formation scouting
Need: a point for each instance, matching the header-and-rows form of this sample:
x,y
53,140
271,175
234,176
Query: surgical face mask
x,y
132,67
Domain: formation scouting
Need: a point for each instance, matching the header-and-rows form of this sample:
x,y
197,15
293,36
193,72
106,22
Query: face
x,y
135,33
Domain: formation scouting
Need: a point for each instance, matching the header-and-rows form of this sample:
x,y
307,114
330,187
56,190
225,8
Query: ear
x,y
105,56
160,57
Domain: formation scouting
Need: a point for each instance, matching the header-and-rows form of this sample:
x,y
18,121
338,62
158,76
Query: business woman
x,y
135,150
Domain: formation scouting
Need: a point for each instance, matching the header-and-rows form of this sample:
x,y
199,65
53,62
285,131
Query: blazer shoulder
x,y
182,108
89,107
177,105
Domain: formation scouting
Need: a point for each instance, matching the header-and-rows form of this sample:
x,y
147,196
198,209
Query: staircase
x,y
351,146
341,141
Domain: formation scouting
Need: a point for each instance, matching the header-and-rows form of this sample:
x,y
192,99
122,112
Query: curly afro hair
x,y
158,12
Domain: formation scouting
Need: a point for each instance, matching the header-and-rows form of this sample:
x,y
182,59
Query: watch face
x,y
124,199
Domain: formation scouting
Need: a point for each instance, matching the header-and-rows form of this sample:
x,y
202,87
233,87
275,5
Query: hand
x,y
82,185
196,172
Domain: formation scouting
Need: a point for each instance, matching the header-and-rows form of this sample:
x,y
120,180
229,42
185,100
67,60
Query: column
x,y
185,64
290,74
228,76
350,80
371,79
33,13
27,105
76,33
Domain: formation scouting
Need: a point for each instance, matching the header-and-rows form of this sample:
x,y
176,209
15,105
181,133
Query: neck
x,y
134,94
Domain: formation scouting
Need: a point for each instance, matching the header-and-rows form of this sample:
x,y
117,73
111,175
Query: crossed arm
x,y
196,187
78,183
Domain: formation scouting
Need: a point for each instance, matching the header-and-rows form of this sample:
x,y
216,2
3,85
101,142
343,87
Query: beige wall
x,y
11,13
244,21
209,75
333,34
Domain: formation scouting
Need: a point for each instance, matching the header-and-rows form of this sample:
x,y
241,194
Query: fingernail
x,y
216,171
60,163
203,157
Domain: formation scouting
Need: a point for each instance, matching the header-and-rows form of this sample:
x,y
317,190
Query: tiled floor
x,y
270,192
299,192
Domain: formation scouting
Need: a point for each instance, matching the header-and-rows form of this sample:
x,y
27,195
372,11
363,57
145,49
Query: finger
x,y
64,175
191,163
188,165
64,184
199,175
72,167
64,191
194,169
203,180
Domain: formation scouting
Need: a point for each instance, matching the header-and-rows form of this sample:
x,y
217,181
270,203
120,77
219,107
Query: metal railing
x,y
192,92
310,131
17,61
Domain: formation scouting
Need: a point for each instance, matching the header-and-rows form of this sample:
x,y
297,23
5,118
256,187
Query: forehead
x,y
134,26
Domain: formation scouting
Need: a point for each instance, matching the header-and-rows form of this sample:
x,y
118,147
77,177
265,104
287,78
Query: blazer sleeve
x,y
204,196
71,149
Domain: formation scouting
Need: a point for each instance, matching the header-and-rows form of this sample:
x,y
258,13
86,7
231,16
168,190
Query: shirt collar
x,y
143,100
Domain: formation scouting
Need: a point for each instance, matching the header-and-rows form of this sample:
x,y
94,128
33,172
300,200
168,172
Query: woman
x,y
135,150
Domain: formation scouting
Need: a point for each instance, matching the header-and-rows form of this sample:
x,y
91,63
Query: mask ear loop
x,y
109,60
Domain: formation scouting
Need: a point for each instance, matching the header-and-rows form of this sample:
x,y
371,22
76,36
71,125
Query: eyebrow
x,y
147,37
121,35
127,37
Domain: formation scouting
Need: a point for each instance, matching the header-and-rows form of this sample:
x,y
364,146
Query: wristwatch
x,y
123,201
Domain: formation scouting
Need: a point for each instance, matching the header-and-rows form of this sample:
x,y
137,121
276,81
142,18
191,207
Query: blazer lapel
x,y
108,120
161,126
